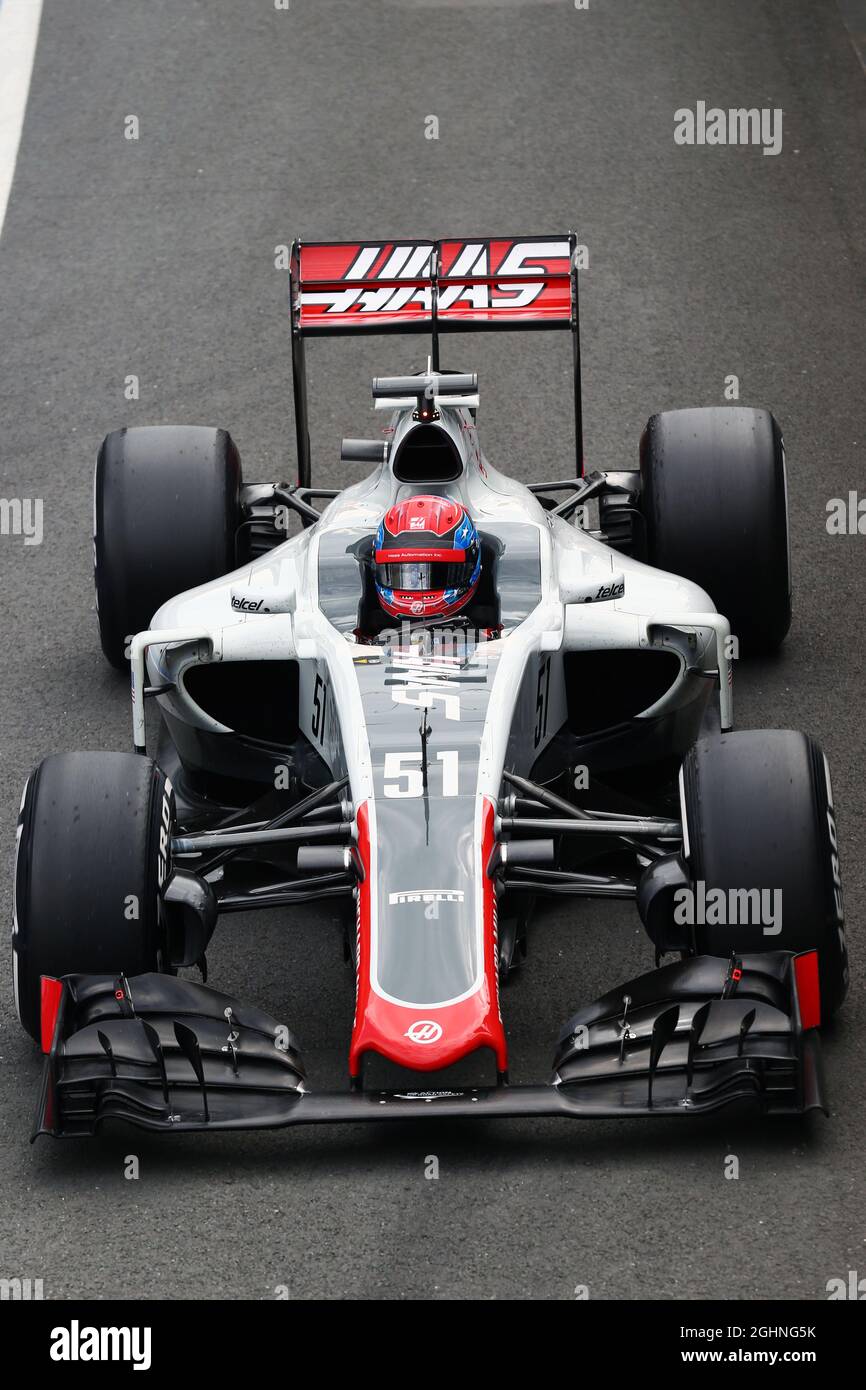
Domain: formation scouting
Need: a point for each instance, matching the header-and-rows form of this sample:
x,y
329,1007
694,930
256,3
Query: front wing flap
x,y
165,1053
698,1034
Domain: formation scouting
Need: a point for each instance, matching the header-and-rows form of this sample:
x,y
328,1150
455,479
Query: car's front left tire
x,y
759,820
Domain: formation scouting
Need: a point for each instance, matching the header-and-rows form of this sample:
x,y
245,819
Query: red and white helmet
x,y
427,557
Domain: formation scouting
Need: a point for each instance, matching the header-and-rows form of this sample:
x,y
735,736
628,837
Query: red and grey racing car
x,y
439,695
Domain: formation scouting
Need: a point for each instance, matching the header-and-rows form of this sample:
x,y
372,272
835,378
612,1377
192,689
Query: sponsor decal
x,y
611,591
834,861
164,851
247,605
426,895
606,591
391,280
834,846
428,1095
836,873
424,1030
422,680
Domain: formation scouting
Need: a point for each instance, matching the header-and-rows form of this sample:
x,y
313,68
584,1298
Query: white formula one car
x,y
450,694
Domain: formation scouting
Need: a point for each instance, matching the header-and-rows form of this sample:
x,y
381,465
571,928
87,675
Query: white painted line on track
x,y
19,30
854,16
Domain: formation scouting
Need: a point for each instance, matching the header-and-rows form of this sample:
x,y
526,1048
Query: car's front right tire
x,y
93,849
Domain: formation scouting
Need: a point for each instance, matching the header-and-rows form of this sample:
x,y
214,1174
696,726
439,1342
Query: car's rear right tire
x,y
92,853
167,514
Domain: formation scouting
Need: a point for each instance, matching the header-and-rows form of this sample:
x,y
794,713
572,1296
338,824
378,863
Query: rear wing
x,y
431,287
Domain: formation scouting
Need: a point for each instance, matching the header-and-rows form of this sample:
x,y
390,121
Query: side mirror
x,y
262,598
583,589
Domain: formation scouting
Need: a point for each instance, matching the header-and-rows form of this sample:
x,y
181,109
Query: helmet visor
x,y
424,576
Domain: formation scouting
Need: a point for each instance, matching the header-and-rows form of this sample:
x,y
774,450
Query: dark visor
x,y
424,576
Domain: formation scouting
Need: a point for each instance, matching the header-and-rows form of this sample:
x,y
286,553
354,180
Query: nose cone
x,y
427,988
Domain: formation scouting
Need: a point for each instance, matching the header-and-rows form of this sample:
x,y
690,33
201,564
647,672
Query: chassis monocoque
x,y
571,735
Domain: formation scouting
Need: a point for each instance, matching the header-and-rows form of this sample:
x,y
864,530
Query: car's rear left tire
x,y
93,850
714,503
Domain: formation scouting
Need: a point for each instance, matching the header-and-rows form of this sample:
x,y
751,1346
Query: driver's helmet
x,y
427,558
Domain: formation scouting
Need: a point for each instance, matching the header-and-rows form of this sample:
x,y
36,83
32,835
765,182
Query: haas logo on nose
x,y
424,1031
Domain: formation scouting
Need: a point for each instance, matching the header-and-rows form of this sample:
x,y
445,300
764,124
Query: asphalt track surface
x,y
156,258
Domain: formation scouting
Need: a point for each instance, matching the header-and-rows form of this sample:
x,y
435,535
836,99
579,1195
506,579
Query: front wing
x,y
165,1053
